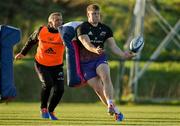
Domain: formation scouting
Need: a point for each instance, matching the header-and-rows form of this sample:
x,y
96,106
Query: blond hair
x,y
92,7
51,16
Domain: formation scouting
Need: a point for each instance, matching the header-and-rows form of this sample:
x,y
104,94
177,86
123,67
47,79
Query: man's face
x,y
56,21
93,16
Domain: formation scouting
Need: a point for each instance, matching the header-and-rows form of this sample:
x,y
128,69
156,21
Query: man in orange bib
x,y
48,63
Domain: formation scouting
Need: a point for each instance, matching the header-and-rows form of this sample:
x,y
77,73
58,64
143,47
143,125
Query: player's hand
x,y
19,56
128,55
99,50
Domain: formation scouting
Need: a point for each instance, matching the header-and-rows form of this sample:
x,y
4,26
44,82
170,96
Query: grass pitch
x,y
85,114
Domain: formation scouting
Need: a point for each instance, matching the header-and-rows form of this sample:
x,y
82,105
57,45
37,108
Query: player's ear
x,y
50,23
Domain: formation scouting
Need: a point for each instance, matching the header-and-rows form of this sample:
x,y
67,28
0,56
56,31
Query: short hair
x,y
51,16
92,7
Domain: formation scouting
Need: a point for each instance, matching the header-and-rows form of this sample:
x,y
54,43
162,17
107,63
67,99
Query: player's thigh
x,y
44,75
95,83
103,70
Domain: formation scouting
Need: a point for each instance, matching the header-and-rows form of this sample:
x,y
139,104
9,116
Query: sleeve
x,y
82,29
32,40
109,33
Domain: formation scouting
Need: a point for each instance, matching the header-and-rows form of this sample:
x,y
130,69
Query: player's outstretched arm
x,y
116,50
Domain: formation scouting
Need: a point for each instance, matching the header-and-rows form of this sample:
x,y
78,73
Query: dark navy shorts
x,y
89,68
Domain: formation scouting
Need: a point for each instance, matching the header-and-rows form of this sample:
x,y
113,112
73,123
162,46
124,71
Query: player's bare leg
x,y
97,86
103,71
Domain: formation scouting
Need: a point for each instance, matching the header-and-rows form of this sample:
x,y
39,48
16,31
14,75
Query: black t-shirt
x,y
98,35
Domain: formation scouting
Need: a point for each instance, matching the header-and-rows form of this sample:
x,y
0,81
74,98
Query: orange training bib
x,y
50,49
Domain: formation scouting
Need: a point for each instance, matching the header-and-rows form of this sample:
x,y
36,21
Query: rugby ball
x,y
136,44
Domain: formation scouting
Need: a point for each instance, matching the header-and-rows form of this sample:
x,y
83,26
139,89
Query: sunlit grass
x,y
73,114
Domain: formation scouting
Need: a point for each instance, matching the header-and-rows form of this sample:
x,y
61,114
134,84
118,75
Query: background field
x,y
92,114
162,79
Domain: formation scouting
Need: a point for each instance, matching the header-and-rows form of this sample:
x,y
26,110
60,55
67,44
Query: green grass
x,y
79,114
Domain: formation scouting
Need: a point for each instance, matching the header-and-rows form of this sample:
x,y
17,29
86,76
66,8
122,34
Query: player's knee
x,y
105,77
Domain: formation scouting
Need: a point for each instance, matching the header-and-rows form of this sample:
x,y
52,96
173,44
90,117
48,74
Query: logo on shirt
x,y
90,33
50,51
50,38
102,33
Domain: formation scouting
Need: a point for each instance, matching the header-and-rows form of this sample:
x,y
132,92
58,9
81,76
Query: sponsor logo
x,y
60,76
50,51
54,43
102,33
60,73
96,41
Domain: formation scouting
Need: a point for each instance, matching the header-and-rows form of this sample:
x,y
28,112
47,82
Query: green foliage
x,y
161,81
154,34
27,83
118,14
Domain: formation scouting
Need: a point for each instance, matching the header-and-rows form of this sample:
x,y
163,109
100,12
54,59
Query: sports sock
x,y
116,110
110,103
